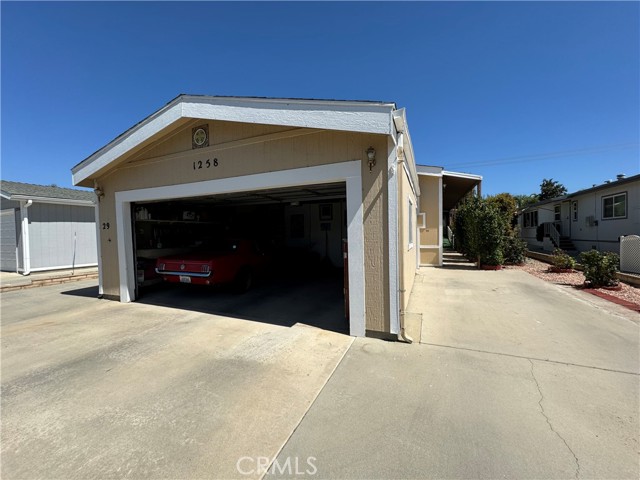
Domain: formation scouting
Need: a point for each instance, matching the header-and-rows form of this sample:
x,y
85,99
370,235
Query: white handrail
x,y
551,231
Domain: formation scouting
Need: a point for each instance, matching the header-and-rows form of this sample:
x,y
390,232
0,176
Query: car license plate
x,y
185,279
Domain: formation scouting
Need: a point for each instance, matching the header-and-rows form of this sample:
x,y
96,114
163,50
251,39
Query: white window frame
x,y
613,198
557,213
574,211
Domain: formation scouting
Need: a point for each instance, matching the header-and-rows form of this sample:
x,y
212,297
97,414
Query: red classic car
x,y
231,261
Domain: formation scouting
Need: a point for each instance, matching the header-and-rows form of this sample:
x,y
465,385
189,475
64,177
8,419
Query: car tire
x,y
244,281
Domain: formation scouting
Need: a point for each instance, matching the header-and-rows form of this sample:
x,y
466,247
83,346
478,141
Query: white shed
x,y
46,228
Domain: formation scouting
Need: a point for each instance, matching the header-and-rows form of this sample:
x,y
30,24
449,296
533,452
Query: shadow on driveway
x,y
316,302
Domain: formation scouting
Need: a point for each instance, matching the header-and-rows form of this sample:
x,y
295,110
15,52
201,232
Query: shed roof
x,y
24,191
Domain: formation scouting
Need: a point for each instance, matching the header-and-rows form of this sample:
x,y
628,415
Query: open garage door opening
x,y
274,255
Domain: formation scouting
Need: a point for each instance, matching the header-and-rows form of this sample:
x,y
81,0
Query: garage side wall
x,y
238,150
407,233
430,206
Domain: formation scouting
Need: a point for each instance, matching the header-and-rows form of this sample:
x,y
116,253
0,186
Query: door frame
x,y
348,172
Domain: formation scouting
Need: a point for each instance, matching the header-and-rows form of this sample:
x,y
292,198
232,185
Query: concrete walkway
x,y
10,281
514,378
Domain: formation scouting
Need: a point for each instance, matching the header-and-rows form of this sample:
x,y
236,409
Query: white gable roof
x,y
354,116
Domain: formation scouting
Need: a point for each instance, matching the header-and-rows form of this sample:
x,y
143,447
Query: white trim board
x,y
59,201
392,218
349,172
363,117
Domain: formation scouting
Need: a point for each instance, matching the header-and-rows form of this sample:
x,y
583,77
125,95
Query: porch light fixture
x,y
371,155
97,190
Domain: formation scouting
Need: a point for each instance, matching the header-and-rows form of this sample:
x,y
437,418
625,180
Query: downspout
x,y
403,336
26,256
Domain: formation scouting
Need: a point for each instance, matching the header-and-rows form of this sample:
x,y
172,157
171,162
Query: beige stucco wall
x,y
429,204
408,244
429,256
258,149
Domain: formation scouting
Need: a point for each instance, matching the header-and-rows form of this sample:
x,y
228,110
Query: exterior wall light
x,y
371,155
97,190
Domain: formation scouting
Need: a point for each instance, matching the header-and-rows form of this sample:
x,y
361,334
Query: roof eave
x,y
62,201
362,117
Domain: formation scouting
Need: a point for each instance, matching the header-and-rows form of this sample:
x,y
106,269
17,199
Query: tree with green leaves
x,y
507,205
523,201
549,188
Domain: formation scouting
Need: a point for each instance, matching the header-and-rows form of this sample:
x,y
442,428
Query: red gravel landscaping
x,y
627,296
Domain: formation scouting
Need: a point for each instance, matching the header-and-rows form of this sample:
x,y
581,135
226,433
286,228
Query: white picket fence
x,y
630,254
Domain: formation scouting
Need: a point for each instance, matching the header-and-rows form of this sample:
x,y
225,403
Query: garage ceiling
x,y
302,194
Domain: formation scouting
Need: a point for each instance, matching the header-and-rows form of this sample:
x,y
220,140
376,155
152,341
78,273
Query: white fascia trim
x,y
392,213
414,187
58,201
429,170
271,101
349,172
402,127
348,116
469,176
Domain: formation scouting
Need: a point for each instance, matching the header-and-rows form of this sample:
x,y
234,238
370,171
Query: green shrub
x,y
479,231
600,268
514,249
563,260
492,227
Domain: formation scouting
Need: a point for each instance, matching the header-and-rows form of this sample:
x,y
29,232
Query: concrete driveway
x,y
515,378
97,389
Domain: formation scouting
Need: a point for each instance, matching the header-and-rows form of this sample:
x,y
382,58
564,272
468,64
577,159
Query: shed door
x,y
8,241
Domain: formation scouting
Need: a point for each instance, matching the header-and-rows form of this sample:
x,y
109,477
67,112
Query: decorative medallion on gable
x,y
200,136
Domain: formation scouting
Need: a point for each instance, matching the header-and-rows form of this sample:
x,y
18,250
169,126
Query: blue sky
x,y
512,91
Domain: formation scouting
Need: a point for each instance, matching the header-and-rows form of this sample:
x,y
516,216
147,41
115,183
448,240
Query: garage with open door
x,y
273,255
304,193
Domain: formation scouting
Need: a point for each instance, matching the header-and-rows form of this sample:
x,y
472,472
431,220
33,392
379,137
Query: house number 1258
x,y
199,164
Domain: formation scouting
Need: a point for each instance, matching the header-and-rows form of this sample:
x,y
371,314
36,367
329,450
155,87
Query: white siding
x,y
62,236
604,235
8,241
